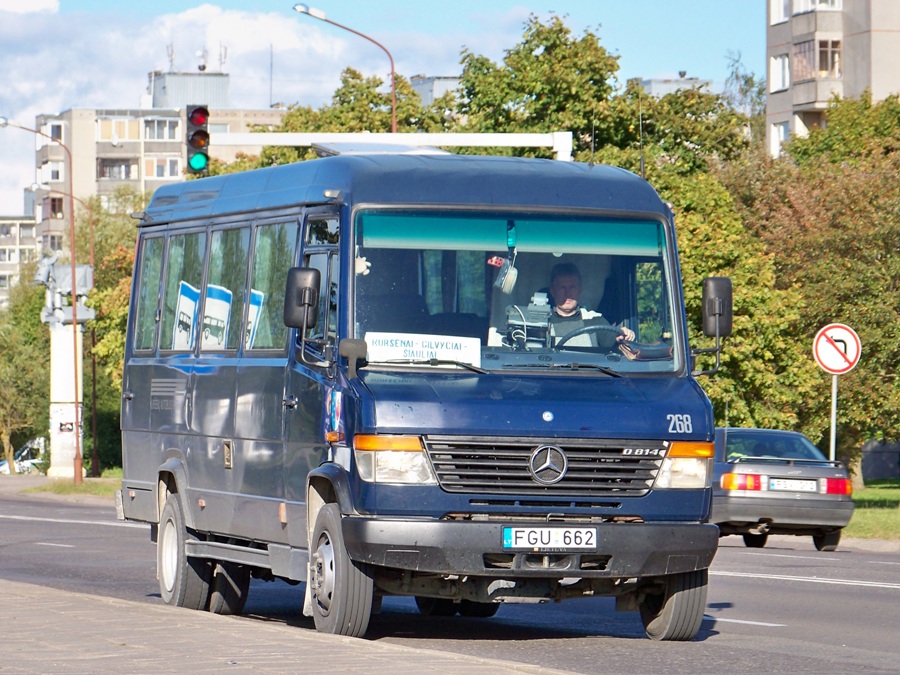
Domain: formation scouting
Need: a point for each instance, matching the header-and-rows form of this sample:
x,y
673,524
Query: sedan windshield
x,y
504,291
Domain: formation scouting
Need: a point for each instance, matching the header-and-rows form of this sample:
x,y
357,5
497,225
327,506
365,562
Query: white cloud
x,y
29,6
53,62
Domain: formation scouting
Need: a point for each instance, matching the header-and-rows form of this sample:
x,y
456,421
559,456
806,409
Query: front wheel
x,y
183,581
828,541
341,589
676,611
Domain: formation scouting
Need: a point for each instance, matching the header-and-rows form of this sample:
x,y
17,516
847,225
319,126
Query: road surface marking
x,y
812,580
47,543
784,555
748,623
107,523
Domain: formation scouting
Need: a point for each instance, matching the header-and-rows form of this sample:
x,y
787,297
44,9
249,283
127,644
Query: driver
x,y
568,316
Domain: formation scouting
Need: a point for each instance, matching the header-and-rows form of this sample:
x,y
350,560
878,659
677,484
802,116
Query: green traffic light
x,y
198,162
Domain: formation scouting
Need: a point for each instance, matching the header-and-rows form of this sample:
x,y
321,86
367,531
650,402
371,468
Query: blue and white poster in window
x,y
216,315
185,316
256,302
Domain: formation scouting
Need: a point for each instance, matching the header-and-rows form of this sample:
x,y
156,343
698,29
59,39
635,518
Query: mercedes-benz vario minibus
x,y
466,380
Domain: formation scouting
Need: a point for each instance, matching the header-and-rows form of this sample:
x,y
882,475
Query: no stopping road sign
x,y
837,348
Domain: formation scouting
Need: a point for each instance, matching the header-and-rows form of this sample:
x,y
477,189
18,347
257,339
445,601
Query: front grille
x,y
596,467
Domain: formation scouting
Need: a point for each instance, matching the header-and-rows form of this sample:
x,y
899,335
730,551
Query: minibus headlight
x,y
686,466
392,459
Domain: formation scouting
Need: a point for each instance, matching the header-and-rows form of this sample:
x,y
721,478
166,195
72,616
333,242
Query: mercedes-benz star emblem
x,y
548,464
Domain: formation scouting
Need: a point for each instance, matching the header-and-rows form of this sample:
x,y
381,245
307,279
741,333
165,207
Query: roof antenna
x,y
641,128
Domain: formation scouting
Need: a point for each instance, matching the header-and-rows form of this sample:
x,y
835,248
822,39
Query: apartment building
x,y
818,49
18,245
142,148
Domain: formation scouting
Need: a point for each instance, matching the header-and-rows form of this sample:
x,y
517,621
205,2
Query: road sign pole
x,y
834,381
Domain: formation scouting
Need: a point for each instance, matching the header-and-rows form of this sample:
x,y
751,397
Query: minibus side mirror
x,y
717,317
717,310
301,298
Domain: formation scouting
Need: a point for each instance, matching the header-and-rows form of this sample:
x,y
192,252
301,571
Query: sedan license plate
x,y
560,539
793,485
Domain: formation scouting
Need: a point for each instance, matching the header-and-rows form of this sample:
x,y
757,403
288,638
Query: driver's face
x,y
566,289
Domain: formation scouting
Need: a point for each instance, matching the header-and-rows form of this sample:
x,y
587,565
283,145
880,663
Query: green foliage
x,y
856,129
24,372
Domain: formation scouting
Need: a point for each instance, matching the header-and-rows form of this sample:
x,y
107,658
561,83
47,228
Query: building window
x,y
115,130
779,73
804,61
780,133
779,11
5,230
4,281
56,207
5,256
804,6
26,231
162,167
54,242
51,172
161,130
830,59
116,169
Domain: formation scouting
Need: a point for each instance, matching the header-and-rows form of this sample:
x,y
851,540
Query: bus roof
x,y
409,179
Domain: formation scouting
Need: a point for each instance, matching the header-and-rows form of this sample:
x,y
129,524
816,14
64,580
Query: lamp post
x,y
319,14
77,465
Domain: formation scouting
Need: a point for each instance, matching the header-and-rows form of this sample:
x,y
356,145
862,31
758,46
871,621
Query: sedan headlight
x,y
686,466
392,459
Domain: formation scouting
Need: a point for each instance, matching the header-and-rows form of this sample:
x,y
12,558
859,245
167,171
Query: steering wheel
x,y
587,330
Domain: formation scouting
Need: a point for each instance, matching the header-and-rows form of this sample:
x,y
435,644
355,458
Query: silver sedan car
x,y
777,482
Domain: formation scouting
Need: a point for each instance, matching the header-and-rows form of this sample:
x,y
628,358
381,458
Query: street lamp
x,y
5,122
319,14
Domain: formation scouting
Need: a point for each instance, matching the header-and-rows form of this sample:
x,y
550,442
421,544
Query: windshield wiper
x,y
573,366
436,362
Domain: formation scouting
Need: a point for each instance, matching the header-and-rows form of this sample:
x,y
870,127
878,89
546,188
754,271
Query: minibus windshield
x,y
510,290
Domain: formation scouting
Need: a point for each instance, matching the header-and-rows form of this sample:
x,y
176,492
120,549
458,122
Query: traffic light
x,y
197,138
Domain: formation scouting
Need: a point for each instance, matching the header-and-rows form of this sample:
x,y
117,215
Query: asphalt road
x,y
783,608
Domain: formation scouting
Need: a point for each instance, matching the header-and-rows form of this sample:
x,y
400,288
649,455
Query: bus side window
x,y
148,293
181,296
223,307
273,255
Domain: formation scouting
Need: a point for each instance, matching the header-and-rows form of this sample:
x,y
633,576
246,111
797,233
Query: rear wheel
x,y
676,612
229,589
828,541
341,589
755,540
183,581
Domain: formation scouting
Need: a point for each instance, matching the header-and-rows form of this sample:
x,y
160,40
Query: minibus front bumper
x,y
621,550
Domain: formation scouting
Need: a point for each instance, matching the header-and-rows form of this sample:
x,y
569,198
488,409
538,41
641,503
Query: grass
x,y
877,514
105,486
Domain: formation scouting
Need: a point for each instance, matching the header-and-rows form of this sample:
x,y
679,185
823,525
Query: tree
x,y
24,376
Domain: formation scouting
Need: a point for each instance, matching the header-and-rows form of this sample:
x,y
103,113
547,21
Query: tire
x,y
341,590
436,606
183,581
828,541
479,610
677,612
229,589
755,540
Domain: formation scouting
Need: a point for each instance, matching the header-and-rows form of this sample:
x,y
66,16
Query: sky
x,y
62,54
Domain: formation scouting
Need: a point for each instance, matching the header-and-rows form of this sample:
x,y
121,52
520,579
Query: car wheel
x,y
341,589
436,606
755,540
828,541
480,610
230,587
676,611
183,581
